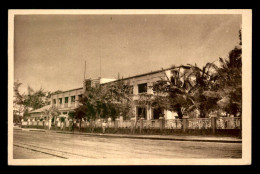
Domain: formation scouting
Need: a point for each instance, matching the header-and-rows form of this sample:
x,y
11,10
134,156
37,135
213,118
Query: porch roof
x,y
40,109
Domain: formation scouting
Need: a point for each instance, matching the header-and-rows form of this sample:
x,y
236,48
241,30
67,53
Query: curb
x,y
164,138
138,137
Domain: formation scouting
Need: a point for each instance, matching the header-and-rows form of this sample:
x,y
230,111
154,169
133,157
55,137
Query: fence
x,y
199,123
173,124
213,123
228,123
151,124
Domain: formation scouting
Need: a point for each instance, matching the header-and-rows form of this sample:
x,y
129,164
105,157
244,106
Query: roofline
x,y
68,90
139,75
153,72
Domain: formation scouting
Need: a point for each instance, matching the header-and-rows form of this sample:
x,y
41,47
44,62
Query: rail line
x,y
48,151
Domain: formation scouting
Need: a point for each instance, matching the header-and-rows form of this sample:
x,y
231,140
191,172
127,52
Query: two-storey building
x,y
67,101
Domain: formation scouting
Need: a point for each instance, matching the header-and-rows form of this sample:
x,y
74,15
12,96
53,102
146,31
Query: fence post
x,y
213,124
141,124
184,123
116,123
161,123
83,125
70,125
132,124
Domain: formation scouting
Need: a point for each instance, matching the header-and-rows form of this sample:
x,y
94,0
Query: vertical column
x,y
213,124
38,123
132,124
76,100
135,112
57,101
161,123
69,100
116,123
149,112
43,124
135,89
70,124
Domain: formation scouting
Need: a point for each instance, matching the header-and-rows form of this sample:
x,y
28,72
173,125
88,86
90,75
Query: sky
x,y
50,50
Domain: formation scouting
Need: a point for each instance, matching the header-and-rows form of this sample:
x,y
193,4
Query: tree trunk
x,y
180,114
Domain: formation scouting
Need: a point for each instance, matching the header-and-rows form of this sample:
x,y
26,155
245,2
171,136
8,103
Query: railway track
x,y
52,152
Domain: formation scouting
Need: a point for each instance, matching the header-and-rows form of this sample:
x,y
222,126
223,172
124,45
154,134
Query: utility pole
x,y
100,66
84,70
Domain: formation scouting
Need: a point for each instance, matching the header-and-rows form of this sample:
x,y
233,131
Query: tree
x,y
108,100
118,99
51,113
184,91
80,113
71,114
35,99
230,81
18,102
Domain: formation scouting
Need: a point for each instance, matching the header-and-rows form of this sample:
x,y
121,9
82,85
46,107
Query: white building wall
x,y
169,114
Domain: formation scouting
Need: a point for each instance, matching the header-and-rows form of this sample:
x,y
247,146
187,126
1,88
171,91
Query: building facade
x,y
67,101
142,85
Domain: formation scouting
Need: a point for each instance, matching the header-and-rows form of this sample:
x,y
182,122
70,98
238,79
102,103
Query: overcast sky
x,y
50,50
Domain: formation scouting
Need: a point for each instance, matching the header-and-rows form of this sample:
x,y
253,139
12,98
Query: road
x,y
34,145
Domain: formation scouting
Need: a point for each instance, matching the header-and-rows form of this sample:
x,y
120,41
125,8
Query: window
x,y
54,101
141,112
66,99
60,100
72,99
142,88
64,113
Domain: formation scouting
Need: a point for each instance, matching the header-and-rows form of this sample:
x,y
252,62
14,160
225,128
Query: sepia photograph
x,y
129,87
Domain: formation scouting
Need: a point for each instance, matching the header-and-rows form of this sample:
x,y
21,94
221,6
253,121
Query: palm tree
x,y
185,89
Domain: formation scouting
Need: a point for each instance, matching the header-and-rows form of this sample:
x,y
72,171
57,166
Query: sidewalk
x,y
151,137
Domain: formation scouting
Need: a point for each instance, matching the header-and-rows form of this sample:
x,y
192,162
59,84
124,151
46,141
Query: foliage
x,y
206,89
35,99
17,118
230,81
62,119
52,112
109,100
71,114
18,101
